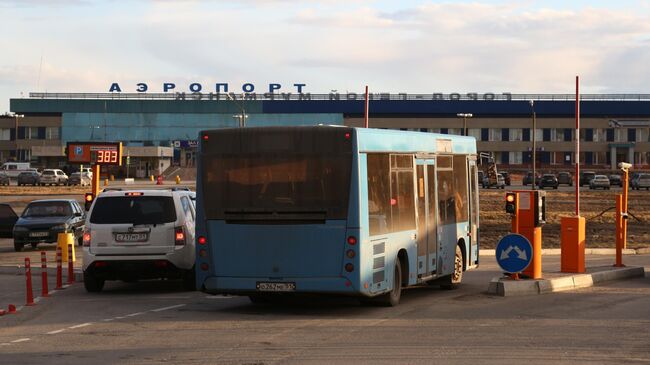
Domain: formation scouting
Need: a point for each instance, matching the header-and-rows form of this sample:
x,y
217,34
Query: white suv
x,y
139,234
53,177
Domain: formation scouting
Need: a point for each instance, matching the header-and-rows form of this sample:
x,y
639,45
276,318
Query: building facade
x,y
163,128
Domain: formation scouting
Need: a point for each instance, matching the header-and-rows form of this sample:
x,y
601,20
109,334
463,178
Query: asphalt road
x,y
156,322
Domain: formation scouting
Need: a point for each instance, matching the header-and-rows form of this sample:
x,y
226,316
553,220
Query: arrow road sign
x,y
514,253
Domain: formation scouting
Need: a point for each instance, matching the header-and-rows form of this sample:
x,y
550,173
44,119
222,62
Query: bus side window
x,y
378,194
460,188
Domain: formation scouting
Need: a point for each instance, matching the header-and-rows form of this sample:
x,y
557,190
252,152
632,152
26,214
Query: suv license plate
x,y
277,287
39,234
130,237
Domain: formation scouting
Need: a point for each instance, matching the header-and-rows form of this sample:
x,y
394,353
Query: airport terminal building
x,y
160,130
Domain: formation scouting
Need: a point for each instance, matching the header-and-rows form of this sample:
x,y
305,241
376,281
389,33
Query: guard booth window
x,y
391,200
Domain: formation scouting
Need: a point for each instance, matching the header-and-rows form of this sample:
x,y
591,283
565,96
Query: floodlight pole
x,y
577,138
532,106
464,116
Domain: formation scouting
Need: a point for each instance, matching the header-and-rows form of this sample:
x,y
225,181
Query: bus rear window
x,y
134,210
290,174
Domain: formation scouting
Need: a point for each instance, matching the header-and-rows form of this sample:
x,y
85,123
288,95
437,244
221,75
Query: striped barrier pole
x,y
28,277
44,290
70,269
59,269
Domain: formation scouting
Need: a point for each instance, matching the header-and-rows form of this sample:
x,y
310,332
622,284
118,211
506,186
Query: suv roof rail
x,y
180,189
111,189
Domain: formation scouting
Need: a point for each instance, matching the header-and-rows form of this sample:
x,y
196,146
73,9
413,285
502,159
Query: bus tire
x,y
391,299
453,280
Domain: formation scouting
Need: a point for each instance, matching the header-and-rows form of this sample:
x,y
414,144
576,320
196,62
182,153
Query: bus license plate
x,y
276,287
130,237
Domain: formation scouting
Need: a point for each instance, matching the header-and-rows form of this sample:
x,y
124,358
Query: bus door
x,y
473,212
427,238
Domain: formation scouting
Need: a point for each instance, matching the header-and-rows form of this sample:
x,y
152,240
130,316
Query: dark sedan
x,y
43,220
528,179
548,180
615,180
565,178
28,178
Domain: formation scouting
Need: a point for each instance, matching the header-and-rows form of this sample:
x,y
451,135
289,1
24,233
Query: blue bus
x,y
331,209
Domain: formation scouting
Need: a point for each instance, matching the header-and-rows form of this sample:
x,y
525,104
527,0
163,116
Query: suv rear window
x,y
48,172
134,210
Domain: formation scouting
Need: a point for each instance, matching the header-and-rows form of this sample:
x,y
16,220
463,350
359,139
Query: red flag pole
x,y
577,157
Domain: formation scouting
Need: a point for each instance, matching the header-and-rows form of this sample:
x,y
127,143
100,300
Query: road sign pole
x,y
96,172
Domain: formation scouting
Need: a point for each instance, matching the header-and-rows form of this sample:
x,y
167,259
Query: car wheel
x,y
18,247
93,284
34,245
555,187
80,240
453,281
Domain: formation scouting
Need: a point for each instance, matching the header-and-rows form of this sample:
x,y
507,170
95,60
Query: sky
x,y
411,46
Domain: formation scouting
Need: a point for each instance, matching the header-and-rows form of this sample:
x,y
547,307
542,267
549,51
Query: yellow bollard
x,y
151,178
112,177
178,179
63,240
105,182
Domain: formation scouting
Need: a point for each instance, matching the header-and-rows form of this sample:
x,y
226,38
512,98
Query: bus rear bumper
x,y
246,286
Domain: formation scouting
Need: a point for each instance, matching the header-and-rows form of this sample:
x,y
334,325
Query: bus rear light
x,y
86,239
179,236
203,253
352,240
349,267
205,267
101,264
348,283
347,135
205,137
202,240
350,254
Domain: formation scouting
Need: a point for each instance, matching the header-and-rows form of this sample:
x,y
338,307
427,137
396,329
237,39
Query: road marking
x,y
20,340
80,325
5,344
134,314
119,317
108,319
55,332
217,297
167,308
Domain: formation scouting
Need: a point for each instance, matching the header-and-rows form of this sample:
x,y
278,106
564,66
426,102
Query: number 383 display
x,y
106,157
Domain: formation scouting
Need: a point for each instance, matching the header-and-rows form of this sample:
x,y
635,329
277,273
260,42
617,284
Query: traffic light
x,y
511,203
88,200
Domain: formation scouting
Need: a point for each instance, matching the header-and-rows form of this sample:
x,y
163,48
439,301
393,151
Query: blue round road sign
x,y
514,253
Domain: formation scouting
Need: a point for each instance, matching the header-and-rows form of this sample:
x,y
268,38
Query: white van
x,y
13,169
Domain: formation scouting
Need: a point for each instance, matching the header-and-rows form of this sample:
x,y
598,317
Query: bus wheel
x,y
392,298
259,299
454,279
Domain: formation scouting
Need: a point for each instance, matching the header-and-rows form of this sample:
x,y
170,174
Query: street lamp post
x,y
16,116
464,116
532,107
242,117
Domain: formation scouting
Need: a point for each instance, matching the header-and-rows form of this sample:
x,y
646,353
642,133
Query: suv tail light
x,y
86,239
179,236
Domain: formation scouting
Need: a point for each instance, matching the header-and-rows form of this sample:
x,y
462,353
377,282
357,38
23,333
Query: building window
x,y
539,134
52,133
620,135
516,134
495,134
516,158
641,135
455,131
5,134
475,132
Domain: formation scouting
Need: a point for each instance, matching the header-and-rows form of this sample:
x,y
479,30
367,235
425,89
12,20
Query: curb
x,y
588,251
507,288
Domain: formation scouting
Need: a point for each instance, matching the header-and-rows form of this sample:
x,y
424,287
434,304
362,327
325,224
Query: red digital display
x,y
106,157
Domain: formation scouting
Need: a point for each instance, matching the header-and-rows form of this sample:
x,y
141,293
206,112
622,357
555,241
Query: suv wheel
x,y
18,247
93,284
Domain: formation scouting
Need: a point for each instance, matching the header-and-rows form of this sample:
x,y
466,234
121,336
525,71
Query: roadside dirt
x,y
495,223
